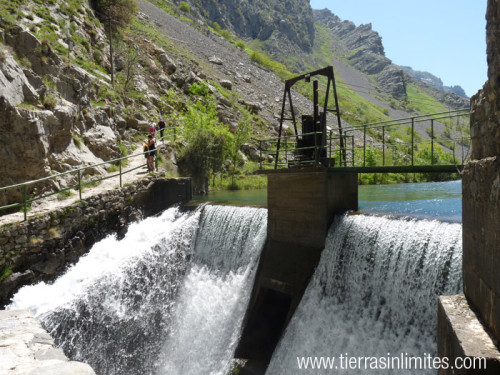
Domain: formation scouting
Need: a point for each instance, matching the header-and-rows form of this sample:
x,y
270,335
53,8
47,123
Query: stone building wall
x,y
481,189
41,247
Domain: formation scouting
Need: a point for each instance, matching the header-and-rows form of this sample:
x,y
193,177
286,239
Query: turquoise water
x,y
430,200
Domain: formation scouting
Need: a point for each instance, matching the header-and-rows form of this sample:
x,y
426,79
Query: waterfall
x,y
215,293
374,293
122,306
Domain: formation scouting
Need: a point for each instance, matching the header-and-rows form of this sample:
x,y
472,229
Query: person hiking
x,y
161,126
152,129
151,148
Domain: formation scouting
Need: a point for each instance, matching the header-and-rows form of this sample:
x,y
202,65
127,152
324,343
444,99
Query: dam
x,y
171,296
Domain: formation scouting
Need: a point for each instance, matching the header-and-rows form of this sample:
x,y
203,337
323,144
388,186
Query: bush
x,y
216,27
240,44
226,35
199,89
49,101
184,7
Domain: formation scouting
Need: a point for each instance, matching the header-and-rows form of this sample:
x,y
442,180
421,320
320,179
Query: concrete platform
x,y
462,335
27,349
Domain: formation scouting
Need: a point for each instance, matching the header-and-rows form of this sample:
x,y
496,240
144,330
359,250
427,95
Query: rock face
x,y
393,82
481,189
365,48
290,21
434,82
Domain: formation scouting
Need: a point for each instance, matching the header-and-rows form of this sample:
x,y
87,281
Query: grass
x,y
113,168
241,182
65,194
421,101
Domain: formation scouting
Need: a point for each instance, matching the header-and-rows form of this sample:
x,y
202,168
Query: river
x,y
428,200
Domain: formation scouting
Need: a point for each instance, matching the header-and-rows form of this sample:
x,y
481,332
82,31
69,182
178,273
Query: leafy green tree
x,y
184,7
120,11
239,138
207,144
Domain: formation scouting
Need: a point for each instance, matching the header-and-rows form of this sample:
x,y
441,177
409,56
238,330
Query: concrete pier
x,y
301,206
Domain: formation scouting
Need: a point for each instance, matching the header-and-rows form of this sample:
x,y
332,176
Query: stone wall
x,y
481,189
41,247
469,324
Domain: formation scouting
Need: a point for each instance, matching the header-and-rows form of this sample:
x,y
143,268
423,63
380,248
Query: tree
x,y
203,155
239,138
206,149
119,11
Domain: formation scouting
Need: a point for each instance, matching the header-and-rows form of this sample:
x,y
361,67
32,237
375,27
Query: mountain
x,y
282,24
65,103
434,82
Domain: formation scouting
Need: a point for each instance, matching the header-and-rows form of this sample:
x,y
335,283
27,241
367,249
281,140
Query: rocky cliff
x,y
363,48
283,25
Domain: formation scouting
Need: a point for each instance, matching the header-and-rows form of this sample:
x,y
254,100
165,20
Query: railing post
x,y
463,150
432,141
25,203
80,184
352,142
364,145
260,154
330,151
286,152
316,154
120,164
412,138
383,145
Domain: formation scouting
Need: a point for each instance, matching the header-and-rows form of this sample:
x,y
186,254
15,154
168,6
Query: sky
x,y
444,37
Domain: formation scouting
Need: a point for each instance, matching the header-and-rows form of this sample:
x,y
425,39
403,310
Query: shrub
x,y
226,35
199,89
97,56
216,27
49,101
240,44
184,7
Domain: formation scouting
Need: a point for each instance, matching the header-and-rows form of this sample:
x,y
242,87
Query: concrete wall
x,y
41,247
463,335
301,207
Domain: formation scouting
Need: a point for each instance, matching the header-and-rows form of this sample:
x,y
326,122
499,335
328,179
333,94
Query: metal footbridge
x,y
426,143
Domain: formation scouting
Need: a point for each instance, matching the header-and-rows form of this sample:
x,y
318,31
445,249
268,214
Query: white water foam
x,y
215,293
173,291
107,257
374,293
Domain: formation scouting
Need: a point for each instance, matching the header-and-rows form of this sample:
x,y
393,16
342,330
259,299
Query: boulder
x,y
102,141
227,84
168,64
215,60
253,107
